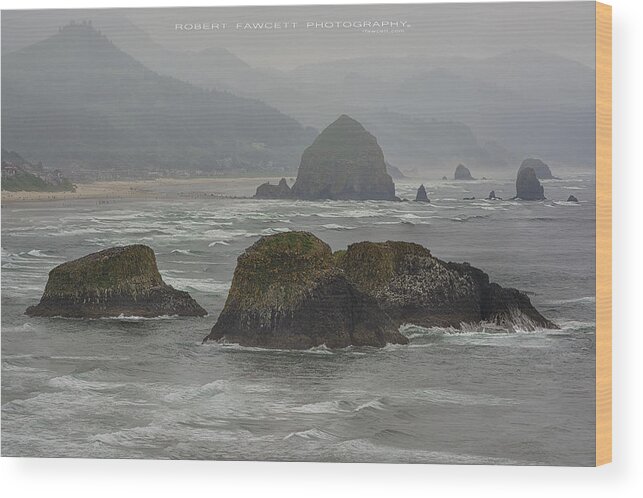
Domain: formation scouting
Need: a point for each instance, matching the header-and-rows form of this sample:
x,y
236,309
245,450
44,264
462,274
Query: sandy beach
x,y
145,189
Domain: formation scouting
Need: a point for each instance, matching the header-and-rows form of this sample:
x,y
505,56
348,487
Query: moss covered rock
x,y
287,292
413,286
344,162
117,281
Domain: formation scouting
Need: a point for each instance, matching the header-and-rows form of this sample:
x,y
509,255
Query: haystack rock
x,y
572,198
462,173
287,292
117,281
344,162
540,168
421,195
528,188
412,286
492,195
269,191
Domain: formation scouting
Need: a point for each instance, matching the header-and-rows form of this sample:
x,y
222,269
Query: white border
x,y
115,478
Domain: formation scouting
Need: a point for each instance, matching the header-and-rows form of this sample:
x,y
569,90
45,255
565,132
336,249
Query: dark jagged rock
x,y
412,286
540,168
506,307
110,283
269,191
492,195
344,162
287,292
421,195
572,198
462,173
528,188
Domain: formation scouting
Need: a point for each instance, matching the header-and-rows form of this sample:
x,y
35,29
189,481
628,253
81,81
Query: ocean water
x,y
148,388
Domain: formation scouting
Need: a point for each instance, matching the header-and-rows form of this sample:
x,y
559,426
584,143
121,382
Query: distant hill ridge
x,y
75,98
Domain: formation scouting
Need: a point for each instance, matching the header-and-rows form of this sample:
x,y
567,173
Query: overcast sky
x,y
470,30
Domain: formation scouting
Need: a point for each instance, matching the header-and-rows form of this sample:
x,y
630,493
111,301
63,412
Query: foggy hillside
x,y
76,98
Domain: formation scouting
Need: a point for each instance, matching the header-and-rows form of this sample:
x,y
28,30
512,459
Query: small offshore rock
x,y
528,188
462,173
269,191
421,195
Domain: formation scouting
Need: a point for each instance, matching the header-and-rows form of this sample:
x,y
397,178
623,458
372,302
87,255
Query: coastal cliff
x,y
110,283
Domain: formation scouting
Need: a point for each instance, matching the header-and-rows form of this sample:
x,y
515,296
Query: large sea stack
x,y
528,188
462,173
344,162
269,191
288,293
117,281
540,168
413,286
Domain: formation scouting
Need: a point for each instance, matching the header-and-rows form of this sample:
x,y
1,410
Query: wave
x,y
443,396
313,434
337,406
335,226
69,382
584,299
187,393
378,404
194,284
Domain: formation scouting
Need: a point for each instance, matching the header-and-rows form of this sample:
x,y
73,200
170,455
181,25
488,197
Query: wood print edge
x,y
603,233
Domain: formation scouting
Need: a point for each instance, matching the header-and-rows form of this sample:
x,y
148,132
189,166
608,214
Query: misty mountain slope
x,y
76,97
529,101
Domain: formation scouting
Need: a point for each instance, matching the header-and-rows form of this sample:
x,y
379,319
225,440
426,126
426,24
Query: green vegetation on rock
x,y
116,281
280,269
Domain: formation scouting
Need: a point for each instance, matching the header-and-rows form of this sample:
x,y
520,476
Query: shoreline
x,y
115,190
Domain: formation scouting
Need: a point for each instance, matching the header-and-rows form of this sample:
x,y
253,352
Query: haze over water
x,y
149,389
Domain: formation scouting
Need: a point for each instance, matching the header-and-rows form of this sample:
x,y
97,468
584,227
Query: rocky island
x,y
528,188
413,286
344,162
117,281
269,191
462,173
540,168
288,293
